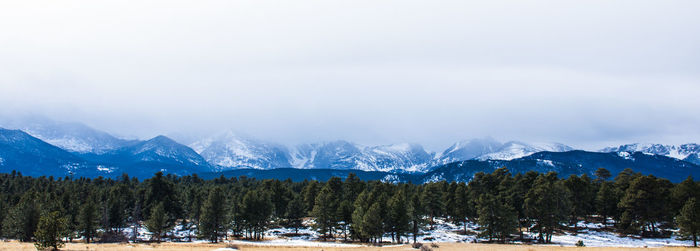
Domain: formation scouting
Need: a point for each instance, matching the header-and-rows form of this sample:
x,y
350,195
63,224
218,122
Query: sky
x,y
585,73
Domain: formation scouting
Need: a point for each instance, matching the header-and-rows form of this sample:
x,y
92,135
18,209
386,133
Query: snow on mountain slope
x,y
345,155
467,149
514,149
687,152
231,151
164,149
73,137
32,156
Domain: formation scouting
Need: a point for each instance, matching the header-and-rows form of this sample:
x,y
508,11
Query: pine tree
x,y
295,213
88,220
644,205
50,231
193,209
212,222
119,202
158,223
602,174
324,211
581,196
309,194
416,213
22,219
255,211
344,214
462,205
518,193
361,205
432,201
352,187
682,192
372,223
689,220
448,197
398,216
547,204
160,189
606,201
497,218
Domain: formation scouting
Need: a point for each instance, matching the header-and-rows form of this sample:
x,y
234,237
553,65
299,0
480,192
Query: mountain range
x,y
44,147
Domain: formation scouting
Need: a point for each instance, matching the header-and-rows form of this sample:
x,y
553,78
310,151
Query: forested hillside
x,y
502,204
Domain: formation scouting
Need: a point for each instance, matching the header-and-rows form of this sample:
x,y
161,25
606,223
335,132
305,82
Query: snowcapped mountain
x,y
468,149
490,149
32,156
231,151
73,137
164,149
345,155
687,152
575,162
401,157
514,149
145,158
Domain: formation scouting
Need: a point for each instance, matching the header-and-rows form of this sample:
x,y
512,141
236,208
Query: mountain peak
x,y
71,136
689,152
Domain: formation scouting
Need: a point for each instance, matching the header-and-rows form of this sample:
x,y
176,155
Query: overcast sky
x,y
585,73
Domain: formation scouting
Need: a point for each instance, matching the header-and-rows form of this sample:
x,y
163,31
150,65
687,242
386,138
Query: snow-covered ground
x,y
442,231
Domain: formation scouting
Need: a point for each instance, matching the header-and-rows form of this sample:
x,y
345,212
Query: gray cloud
x,y
587,74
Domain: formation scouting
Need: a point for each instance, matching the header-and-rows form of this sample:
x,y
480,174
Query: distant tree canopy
x,y
47,210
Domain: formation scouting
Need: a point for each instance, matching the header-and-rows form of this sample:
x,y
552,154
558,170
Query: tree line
x,y
50,211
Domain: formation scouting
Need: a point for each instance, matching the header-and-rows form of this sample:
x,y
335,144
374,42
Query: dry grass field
x,y
13,245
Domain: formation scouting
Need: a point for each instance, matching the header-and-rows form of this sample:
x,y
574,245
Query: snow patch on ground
x,y
292,243
592,238
442,231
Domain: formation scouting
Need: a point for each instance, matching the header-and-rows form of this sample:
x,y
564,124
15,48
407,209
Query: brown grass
x,y
14,245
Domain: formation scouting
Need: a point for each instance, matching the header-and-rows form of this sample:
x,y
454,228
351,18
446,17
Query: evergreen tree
x,y
689,220
372,223
547,204
606,201
344,214
50,231
255,211
463,206
398,216
644,205
88,220
212,223
22,219
159,222
449,199
518,193
682,192
352,187
119,202
193,209
160,189
309,194
295,213
361,205
602,174
496,217
432,201
416,213
581,196
324,211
